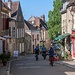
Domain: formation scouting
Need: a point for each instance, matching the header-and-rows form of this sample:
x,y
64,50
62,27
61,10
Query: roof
x,y
14,14
10,19
5,5
42,23
31,27
15,6
31,18
71,3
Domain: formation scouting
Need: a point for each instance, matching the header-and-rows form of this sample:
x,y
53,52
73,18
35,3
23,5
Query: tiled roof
x,y
42,23
15,6
4,5
31,27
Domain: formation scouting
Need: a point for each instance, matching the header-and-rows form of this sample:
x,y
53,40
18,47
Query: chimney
x,y
10,6
43,17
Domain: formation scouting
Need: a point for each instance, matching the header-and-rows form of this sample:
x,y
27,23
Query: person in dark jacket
x,y
51,55
44,49
37,49
51,51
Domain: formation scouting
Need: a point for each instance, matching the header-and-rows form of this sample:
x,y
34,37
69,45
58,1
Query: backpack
x,y
51,51
36,48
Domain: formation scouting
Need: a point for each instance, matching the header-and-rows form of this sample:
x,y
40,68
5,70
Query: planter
x,y
3,56
4,61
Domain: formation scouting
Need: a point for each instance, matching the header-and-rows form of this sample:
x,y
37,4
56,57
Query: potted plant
x,y
4,58
4,61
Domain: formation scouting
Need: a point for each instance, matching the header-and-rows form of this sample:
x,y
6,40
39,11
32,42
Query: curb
x,y
8,70
65,64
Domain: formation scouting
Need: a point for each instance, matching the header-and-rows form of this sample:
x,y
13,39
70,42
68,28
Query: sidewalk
x,y
70,64
2,69
5,70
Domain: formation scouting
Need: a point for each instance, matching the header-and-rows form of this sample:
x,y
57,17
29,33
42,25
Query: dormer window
x,y
32,22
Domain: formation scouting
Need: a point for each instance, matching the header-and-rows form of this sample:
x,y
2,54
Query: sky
x,y
35,8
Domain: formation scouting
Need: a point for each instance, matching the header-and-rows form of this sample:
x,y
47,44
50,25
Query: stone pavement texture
x,y
5,70
2,69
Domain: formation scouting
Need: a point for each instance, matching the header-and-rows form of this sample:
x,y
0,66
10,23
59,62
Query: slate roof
x,y
42,23
14,14
10,19
71,3
31,27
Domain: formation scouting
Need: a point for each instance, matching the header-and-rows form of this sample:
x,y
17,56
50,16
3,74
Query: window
x,y
37,36
9,31
32,22
13,28
33,37
17,33
13,32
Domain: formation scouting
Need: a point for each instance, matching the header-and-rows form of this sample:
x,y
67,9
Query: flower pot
x,y
4,63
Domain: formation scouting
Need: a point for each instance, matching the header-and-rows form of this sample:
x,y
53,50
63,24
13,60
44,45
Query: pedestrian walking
x,y
51,55
37,51
44,51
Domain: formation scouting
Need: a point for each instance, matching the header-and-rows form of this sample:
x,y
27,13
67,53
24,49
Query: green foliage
x,y
4,60
3,56
54,22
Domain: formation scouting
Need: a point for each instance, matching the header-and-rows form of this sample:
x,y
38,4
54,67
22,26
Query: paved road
x,y
28,66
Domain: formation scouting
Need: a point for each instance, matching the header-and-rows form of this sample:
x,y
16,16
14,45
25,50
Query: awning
x,y
60,37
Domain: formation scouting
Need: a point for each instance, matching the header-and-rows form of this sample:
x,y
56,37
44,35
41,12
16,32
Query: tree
x,y
54,22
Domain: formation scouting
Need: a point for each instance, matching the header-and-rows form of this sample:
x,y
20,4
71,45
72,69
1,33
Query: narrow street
x,y
28,66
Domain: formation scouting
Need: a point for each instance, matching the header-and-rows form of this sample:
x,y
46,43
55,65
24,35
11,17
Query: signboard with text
x,y
15,53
